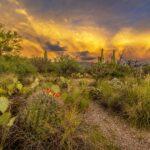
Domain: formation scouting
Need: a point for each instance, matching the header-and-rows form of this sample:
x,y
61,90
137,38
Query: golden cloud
x,y
21,11
127,39
75,38
72,38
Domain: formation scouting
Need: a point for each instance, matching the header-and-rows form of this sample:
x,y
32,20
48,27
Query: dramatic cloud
x,y
85,56
73,26
53,47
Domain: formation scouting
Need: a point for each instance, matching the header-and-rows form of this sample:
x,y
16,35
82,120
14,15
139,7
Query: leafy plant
x,y
10,85
105,70
64,82
6,121
42,65
66,65
9,41
17,65
77,97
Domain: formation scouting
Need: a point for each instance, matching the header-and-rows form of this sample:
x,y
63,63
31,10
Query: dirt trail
x,y
117,130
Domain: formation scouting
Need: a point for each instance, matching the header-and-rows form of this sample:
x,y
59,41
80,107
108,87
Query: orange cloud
x,y
74,38
129,40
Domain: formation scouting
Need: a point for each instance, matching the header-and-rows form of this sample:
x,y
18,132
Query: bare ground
x,y
116,129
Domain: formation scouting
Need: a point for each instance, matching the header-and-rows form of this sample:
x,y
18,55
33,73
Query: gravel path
x,y
118,130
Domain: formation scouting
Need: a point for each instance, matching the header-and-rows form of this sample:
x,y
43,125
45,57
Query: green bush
x,y
109,94
146,69
104,70
137,102
129,97
42,65
44,124
17,65
77,97
66,65
10,85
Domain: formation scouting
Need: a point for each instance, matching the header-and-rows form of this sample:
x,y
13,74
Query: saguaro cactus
x,y
45,56
113,58
101,58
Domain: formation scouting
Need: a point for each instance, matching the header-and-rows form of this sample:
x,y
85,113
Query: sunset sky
x,y
80,28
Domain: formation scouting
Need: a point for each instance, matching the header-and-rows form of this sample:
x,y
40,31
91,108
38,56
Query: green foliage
x,y
55,88
6,121
10,85
4,104
104,70
17,65
78,98
9,41
96,94
77,75
64,82
146,69
129,97
45,124
42,65
40,109
137,102
66,65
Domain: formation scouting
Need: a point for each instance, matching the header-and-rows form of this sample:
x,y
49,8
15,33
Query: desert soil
x,y
120,132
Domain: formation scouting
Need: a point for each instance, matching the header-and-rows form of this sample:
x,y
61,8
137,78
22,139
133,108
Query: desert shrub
x,y
15,64
37,124
65,65
137,102
63,82
129,97
45,124
108,93
146,69
42,65
96,94
103,70
77,75
77,97
27,80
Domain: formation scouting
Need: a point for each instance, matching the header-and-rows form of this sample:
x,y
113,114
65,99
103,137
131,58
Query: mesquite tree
x,y
9,41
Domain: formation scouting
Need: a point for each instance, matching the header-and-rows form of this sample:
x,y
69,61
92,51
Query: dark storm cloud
x,y
88,58
53,47
112,14
85,55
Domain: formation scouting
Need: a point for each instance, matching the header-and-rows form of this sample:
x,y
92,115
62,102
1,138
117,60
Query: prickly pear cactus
x,y
6,121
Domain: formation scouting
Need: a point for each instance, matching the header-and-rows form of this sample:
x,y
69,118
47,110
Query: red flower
x,y
49,91
56,94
